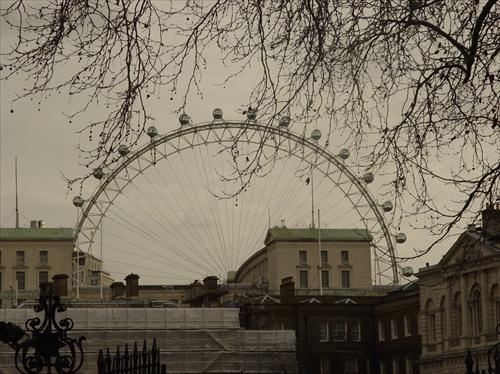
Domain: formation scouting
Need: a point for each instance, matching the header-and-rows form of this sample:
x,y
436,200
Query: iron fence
x,y
146,361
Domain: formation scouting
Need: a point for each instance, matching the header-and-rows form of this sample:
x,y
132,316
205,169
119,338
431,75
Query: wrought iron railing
x,y
472,366
146,361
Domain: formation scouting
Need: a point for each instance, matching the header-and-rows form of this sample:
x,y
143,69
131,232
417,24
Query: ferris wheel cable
x,y
208,179
210,193
204,251
218,254
194,233
158,241
169,262
145,268
284,196
175,234
161,243
152,236
212,199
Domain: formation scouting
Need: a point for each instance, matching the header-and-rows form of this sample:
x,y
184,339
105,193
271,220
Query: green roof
x,y
281,233
37,233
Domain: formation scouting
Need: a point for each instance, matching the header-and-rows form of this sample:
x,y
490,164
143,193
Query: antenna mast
x,y
17,202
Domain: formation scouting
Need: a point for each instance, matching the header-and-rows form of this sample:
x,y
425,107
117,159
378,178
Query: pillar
x,y
485,296
465,306
449,310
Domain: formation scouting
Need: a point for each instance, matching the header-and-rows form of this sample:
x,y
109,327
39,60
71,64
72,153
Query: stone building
x,y
90,270
31,256
460,299
322,261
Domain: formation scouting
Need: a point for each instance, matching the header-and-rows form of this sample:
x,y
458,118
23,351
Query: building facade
x,y
29,257
89,271
348,335
322,261
460,299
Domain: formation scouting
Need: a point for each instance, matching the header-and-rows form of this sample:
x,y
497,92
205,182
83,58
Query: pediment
x,y
468,247
44,266
20,266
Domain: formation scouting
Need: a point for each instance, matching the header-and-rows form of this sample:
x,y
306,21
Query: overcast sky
x,y
43,140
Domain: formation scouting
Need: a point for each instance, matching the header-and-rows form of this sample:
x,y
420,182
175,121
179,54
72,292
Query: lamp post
x,y
49,346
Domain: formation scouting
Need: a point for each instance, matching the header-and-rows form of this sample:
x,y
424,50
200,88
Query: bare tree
x,y
408,84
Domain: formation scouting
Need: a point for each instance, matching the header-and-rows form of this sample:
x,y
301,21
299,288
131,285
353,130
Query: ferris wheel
x,y
183,206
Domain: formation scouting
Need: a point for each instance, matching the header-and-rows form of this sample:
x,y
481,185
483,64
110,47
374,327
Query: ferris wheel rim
x,y
196,129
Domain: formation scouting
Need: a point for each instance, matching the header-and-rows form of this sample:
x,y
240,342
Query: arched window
x,y
431,321
442,319
457,315
476,313
494,306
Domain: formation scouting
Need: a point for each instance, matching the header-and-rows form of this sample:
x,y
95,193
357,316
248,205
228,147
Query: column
x,y
465,306
449,309
485,297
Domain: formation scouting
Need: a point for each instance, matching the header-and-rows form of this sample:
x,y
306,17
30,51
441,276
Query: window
x,y
0,282
20,257
0,257
381,331
407,323
276,325
323,331
303,279
338,331
325,365
344,256
355,332
346,279
457,315
476,313
432,328
495,304
44,257
351,365
383,368
394,329
324,256
43,277
395,366
409,365
21,280
325,278
302,256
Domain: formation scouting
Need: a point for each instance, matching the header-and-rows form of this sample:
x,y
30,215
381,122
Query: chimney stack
x,y
491,220
60,285
117,289
287,290
132,285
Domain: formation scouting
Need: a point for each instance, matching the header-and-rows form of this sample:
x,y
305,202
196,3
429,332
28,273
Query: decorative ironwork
x,y
494,356
145,362
493,359
49,346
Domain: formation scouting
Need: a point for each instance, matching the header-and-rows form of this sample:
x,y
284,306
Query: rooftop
x,y
37,233
342,234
